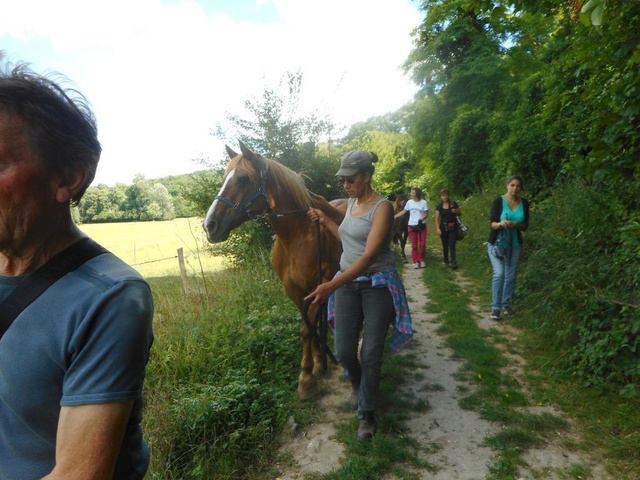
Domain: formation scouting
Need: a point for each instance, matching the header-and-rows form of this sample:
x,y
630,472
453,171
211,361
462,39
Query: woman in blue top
x,y
509,216
369,294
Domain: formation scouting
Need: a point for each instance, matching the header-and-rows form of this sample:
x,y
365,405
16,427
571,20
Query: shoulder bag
x,y
460,226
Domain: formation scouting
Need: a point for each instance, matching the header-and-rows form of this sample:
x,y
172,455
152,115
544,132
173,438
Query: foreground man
x,y
72,362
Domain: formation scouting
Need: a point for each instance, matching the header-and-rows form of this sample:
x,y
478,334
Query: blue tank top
x,y
516,215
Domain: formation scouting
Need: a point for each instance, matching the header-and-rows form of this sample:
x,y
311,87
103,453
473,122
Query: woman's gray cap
x,y
354,161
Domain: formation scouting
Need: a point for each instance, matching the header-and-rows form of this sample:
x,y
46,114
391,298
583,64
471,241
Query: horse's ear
x,y
246,151
230,151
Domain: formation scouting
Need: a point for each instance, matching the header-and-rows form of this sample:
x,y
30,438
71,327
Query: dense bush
x,y
558,104
582,282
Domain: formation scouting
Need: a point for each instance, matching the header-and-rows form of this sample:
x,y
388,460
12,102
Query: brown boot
x,y
367,427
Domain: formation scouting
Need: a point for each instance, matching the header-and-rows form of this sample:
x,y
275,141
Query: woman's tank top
x,y
353,234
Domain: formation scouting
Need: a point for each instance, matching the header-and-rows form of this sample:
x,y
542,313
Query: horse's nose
x,y
210,226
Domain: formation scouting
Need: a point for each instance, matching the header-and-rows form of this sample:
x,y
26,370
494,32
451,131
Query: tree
x,y
395,159
148,200
533,90
459,64
103,204
273,126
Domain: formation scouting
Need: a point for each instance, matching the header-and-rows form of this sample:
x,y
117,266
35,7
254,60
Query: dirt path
x,y
456,434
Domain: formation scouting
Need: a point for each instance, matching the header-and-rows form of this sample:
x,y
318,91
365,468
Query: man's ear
x,y
70,184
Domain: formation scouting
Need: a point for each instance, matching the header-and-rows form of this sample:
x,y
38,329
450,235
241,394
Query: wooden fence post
x,y
183,271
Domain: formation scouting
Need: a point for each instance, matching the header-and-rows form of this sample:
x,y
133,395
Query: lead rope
x,y
322,313
321,318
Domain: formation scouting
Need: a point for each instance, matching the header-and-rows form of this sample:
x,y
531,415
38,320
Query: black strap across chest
x,y
45,276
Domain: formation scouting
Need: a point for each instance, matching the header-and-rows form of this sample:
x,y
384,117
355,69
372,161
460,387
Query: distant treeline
x,y
144,200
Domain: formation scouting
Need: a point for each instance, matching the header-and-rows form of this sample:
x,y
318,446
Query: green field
x,y
152,247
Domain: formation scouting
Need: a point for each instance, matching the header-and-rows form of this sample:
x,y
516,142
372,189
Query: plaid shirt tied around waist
x,y
402,331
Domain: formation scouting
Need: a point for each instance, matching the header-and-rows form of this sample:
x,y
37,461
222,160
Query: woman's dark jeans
x,y
449,239
361,306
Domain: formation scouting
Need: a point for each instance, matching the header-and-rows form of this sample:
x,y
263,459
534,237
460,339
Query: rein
x,y
321,318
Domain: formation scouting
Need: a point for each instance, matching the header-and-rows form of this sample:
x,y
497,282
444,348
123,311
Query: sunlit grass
x,y
152,247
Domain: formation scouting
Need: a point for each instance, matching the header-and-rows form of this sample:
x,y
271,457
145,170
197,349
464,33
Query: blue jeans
x,y
503,283
359,306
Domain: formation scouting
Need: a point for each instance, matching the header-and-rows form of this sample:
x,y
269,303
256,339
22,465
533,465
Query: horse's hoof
x,y
305,393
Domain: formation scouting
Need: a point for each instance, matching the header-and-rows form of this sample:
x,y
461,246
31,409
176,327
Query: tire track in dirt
x,y
456,434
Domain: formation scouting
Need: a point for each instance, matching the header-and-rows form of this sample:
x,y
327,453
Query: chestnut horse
x,y
254,186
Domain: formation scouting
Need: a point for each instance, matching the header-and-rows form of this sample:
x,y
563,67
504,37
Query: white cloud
x,y
161,75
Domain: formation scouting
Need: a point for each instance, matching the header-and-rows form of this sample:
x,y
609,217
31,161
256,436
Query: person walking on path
x,y
72,361
447,227
367,293
509,216
418,212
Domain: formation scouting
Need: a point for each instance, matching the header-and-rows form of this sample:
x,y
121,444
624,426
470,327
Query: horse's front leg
x,y
316,348
307,383
403,243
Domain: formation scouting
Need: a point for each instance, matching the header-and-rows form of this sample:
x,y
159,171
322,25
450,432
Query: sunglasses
x,y
349,180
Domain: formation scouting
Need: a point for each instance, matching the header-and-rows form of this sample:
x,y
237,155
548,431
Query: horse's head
x,y
399,202
242,196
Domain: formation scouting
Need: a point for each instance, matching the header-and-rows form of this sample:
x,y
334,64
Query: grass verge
x,y
607,426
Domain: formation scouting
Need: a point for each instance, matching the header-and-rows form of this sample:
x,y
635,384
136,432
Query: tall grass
x,y
221,380
222,376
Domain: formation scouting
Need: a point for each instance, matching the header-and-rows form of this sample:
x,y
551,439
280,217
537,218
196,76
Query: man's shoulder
x,y
108,269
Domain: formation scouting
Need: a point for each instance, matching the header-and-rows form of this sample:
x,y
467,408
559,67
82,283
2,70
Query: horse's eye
x,y
243,180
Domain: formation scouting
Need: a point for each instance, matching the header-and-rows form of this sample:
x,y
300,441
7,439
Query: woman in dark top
x,y
509,216
446,225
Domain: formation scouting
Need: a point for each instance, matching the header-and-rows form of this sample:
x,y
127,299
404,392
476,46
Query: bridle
x,y
245,207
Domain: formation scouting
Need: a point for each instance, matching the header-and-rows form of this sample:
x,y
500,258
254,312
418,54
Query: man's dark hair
x,y
59,123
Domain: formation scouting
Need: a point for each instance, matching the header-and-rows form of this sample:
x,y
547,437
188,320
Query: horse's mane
x,y
282,181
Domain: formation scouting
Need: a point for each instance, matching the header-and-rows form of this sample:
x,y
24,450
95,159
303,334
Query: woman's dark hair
x,y
58,123
516,177
371,168
444,191
418,192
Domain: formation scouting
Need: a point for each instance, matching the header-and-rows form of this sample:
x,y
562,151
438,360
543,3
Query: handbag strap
x,y
37,282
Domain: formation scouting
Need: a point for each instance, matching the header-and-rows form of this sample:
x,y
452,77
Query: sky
x,y
161,74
